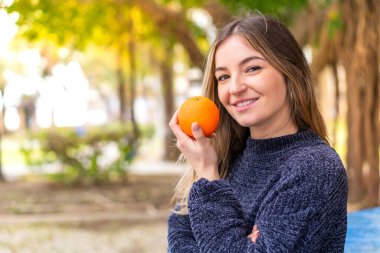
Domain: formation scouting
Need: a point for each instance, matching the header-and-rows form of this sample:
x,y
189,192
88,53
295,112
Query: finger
x,y
198,134
174,119
252,237
255,234
176,129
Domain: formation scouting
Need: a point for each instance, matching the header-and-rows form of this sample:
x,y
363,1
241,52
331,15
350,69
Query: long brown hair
x,y
277,45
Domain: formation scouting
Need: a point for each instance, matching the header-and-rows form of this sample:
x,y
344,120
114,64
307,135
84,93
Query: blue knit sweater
x,y
294,188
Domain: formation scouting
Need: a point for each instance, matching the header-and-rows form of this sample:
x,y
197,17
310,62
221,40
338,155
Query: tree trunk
x,y
166,67
1,148
132,78
336,103
1,132
354,139
360,58
350,37
121,85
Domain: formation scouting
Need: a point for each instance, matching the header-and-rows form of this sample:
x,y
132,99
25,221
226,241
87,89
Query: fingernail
x,y
195,126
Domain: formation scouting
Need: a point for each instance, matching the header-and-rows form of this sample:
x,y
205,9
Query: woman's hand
x,y
198,151
254,235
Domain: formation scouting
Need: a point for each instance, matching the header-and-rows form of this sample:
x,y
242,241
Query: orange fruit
x,y
201,110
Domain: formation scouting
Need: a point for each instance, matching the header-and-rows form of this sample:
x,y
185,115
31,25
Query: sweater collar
x,y
277,144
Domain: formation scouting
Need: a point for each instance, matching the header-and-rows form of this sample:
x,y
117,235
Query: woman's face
x,y
252,91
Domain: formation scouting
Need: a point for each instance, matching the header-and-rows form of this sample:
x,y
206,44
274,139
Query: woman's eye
x,y
222,78
253,68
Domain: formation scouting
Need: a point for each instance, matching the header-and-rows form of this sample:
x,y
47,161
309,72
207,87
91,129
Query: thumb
x,y
197,132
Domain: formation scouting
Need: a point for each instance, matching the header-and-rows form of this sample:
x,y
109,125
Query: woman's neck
x,y
286,128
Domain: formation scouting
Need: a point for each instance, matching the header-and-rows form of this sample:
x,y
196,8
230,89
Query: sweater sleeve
x,y
306,205
217,219
306,211
180,235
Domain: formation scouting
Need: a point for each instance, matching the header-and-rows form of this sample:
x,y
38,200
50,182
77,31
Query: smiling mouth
x,y
246,102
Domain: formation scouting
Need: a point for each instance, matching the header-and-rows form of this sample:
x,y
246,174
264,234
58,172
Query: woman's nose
x,y
237,85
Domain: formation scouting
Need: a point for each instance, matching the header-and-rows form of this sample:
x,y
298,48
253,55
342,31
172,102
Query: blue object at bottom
x,y
363,231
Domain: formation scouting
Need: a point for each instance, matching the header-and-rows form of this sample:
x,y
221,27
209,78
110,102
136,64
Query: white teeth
x,y
245,102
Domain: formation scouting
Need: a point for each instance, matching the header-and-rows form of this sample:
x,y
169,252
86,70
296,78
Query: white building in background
x,y
63,99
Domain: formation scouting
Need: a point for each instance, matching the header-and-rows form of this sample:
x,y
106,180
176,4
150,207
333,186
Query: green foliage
x,y
66,22
265,6
86,25
185,4
283,9
78,23
335,22
83,156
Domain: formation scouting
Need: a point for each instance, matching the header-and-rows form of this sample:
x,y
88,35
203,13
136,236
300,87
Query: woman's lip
x,y
245,102
243,105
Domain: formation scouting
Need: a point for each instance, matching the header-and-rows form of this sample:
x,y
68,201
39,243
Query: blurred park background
x,y
87,89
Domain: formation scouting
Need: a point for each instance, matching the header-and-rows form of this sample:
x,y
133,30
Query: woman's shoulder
x,y
315,160
315,170
316,152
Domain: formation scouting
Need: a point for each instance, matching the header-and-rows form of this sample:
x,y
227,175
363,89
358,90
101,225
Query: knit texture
x,y
294,188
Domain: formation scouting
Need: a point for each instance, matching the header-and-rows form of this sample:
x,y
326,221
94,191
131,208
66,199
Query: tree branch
x,y
169,21
219,13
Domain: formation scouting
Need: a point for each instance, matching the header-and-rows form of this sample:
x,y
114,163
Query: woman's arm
x,y
217,219
303,212
180,235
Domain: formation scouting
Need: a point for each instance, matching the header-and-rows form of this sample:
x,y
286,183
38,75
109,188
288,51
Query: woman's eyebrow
x,y
242,62
250,58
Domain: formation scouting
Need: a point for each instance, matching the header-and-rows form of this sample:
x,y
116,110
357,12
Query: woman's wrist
x,y
209,175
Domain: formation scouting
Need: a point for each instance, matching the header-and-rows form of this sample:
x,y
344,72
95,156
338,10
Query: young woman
x,y
268,181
